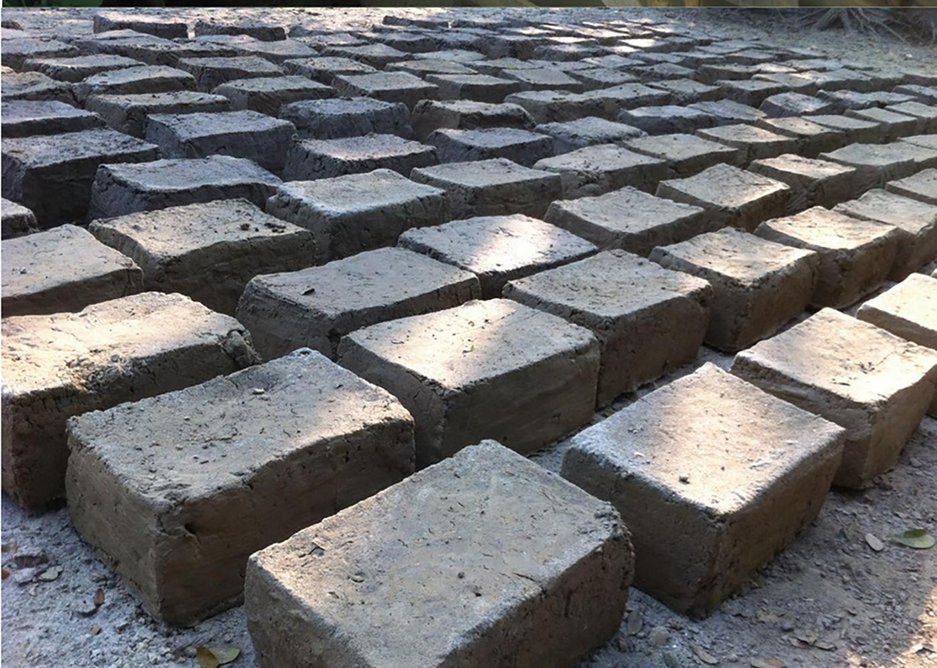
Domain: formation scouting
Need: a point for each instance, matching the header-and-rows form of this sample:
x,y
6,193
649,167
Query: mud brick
x,y
358,212
311,159
727,112
492,187
129,44
18,50
927,113
751,92
326,68
916,223
920,77
129,113
207,251
720,72
687,91
908,310
601,77
795,104
22,118
240,134
548,106
15,220
431,115
876,164
595,562
721,494
856,255
411,42
213,71
666,119
468,387
874,384
178,545
170,54
34,86
626,96
346,117
521,146
732,196
122,189
812,181
64,164
566,52
857,130
375,55
599,169
684,154
258,30
267,95
922,141
477,87
629,219
315,307
425,66
544,79
61,365
758,285
130,80
848,99
812,139
465,56
921,186
386,86
498,249
277,52
152,25
926,94
75,69
587,131
752,142
648,320
63,269
896,124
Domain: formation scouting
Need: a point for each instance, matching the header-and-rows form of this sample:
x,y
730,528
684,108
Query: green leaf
x,y
212,657
916,538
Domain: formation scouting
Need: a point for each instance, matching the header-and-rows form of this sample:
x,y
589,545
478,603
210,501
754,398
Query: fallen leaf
x,y
916,538
767,662
212,657
95,630
98,598
5,572
874,542
807,637
705,656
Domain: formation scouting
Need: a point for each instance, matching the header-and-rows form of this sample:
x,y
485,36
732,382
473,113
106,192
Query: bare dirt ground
x,y
832,599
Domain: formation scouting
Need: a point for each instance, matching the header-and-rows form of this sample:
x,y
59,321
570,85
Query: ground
x,y
842,594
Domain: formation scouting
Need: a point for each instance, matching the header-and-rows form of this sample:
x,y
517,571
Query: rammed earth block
x,y
387,86
123,189
130,80
492,187
431,115
35,86
812,138
587,131
569,563
875,384
710,490
856,255
921,186
15,220
207,251
60,365
521,146
268,94
629,219
599,169
758,285
64,164
315,307
176,491
23,118
346,117
485,369
211,72
812,182
63,269
648,320
498,249
685,154
358,212
129,113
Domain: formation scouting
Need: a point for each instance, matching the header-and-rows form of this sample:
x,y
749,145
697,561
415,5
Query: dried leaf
x,y
874,542
705,656
99,598
5,572
767,662
212,657
916,538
